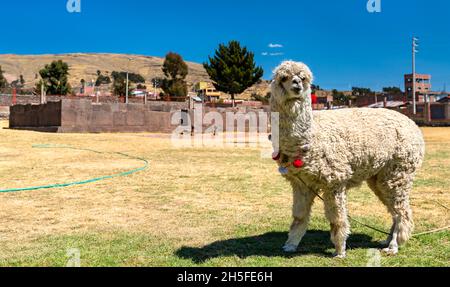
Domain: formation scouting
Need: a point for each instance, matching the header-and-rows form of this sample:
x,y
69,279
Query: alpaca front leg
x,y
303,201
336,213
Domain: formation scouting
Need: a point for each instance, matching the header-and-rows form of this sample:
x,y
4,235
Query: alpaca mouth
x,y
297,90
295,97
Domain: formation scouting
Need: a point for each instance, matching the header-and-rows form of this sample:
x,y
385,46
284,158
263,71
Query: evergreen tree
x,y
55,79
233,69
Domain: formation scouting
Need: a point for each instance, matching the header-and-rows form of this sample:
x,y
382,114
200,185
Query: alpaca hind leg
x,y
372,183
395,190
303,200
336,213
391,234
403,226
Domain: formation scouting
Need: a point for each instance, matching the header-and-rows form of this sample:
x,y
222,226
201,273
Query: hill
x,y
85,66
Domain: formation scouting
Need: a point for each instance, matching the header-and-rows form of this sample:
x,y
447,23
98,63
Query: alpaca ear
x,y
309,76
306,72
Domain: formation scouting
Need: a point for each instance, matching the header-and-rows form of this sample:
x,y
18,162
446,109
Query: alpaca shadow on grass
x,y
315,242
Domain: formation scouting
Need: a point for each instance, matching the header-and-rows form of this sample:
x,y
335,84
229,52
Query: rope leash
x,y
92,180
382,231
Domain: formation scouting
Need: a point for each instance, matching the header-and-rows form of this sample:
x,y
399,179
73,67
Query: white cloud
x,y
272,54
272,46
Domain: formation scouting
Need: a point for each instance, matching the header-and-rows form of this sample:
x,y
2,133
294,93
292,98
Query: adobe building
x,y
423,86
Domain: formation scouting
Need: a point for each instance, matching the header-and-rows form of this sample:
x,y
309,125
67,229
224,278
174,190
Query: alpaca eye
x,y
284,79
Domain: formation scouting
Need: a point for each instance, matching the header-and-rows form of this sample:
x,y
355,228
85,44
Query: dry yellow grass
x,y
187,196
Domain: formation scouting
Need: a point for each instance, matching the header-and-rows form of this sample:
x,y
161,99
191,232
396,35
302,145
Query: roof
x,y
137,92
389,104
197,99
444,99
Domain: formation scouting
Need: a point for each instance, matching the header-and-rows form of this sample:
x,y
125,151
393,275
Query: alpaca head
x,y
291,82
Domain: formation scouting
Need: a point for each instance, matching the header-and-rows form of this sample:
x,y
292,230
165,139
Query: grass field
x,y
192,207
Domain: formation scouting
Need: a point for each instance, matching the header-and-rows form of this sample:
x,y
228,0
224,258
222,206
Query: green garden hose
x,y
61,185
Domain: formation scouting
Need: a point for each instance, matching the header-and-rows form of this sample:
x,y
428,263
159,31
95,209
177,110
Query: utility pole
x,y
414,51
128,70
156,84
43,99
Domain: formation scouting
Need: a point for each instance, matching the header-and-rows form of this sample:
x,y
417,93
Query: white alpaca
x,y
329,152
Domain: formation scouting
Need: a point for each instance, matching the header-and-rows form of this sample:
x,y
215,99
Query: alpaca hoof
x,y
339,255
390,251
290,248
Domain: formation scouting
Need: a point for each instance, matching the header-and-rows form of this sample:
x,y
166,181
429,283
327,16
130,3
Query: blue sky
x,y
343,43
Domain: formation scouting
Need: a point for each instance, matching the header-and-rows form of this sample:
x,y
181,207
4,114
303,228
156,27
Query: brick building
x,y
423,85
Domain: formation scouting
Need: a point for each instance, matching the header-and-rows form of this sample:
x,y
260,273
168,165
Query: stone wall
x,y
37,117
83,116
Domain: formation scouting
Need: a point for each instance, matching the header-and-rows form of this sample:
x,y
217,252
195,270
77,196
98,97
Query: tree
x,y
156,82
119,87
339,97
55,78
19,83
3,81
392,90
357,92
132,77
233,69
176,71
174,67
21,80
83,86
315,88
102,79
141,87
